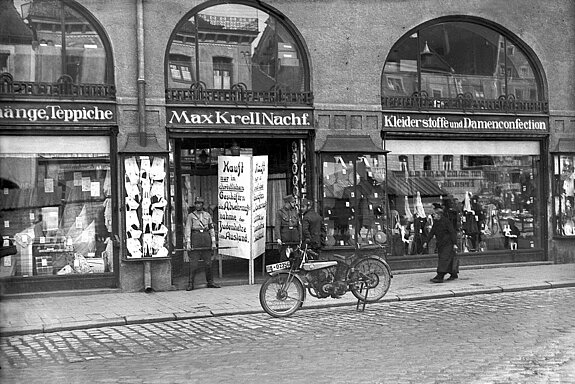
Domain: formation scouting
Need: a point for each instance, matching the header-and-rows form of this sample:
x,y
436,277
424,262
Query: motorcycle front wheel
x,y
281,295
370,280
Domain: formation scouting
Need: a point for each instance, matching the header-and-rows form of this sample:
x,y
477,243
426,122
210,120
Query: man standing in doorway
x,y
287,229
200,234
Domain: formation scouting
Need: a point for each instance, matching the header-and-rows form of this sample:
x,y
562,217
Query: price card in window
x,y
6,191
86,184
95,189
48,185
6,224
42,240
77,179
79,222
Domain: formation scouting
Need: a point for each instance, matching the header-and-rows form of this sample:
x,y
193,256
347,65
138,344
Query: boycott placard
x,y
242,201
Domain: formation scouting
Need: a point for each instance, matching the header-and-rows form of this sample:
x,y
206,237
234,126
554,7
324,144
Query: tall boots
x,y
210,275
208,267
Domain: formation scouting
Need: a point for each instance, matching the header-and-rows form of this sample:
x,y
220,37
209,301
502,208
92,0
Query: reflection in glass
x,y
46,40
445,60
354,199
232,44
483,194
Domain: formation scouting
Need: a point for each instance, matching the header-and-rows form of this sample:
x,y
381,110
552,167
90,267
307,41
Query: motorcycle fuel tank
x,y
318,265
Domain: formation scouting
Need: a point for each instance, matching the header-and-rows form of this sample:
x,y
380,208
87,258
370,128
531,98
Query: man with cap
x,y
287,229
313,230
446,244
200,233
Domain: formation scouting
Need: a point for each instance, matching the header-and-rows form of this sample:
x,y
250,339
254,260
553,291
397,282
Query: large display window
x,y
353,199
491,191
56,205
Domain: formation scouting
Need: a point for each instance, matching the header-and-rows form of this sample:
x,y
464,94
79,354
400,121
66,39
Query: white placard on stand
x,y
242,202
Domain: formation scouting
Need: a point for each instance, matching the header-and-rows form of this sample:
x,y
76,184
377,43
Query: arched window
x,y
53,41
235,50
445,60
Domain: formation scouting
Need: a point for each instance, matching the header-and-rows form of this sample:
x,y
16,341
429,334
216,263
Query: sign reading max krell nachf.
x,y
248,117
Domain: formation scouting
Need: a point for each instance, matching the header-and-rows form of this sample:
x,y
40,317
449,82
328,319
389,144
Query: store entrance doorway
x,y
194,173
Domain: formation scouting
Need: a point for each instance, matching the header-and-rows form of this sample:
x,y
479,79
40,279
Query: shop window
x,y
52,39
564,194
237,44
56,206
444,59
353,199
498,185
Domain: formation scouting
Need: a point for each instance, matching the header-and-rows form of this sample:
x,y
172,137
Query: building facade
x,y
115,116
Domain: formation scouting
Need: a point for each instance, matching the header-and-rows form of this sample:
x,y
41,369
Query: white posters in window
x,y
242,201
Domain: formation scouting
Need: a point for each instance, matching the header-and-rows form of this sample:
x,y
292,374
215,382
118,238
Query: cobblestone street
x,y
522,337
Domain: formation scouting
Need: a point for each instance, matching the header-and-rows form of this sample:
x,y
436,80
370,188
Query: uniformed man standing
x,y
287,229
200,233
313,229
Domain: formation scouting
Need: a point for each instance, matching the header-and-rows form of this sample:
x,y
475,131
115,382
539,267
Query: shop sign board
x,y
59,113
242,205
281,118
465,122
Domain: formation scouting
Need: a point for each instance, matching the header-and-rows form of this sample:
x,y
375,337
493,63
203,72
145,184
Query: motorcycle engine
x,y
322,281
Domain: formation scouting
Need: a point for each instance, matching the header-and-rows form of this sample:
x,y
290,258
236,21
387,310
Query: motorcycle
x,y
284,291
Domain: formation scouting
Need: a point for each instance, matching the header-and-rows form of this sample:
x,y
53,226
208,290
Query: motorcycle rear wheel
x,y
372,281
281,295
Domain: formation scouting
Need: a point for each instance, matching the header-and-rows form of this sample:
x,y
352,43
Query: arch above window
x,y
236,53
54,48
462,64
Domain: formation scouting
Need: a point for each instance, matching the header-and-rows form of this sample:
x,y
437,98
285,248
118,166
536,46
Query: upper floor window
x,y
451,59
447,162
427,163
49,41
237,47
403,163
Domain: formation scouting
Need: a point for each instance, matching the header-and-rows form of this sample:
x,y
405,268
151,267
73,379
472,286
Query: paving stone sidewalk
x,y
74,310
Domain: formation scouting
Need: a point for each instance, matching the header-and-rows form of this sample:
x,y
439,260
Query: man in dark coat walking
x,y
446,245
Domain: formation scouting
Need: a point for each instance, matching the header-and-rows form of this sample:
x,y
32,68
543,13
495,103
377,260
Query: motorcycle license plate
x,y
276,267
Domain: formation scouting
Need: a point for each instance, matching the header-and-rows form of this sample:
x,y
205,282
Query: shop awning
x,y
426,186
349,143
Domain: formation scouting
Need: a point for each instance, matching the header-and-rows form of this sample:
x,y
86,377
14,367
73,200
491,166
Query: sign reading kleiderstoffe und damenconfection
x,y
458,122
58,113
238,117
